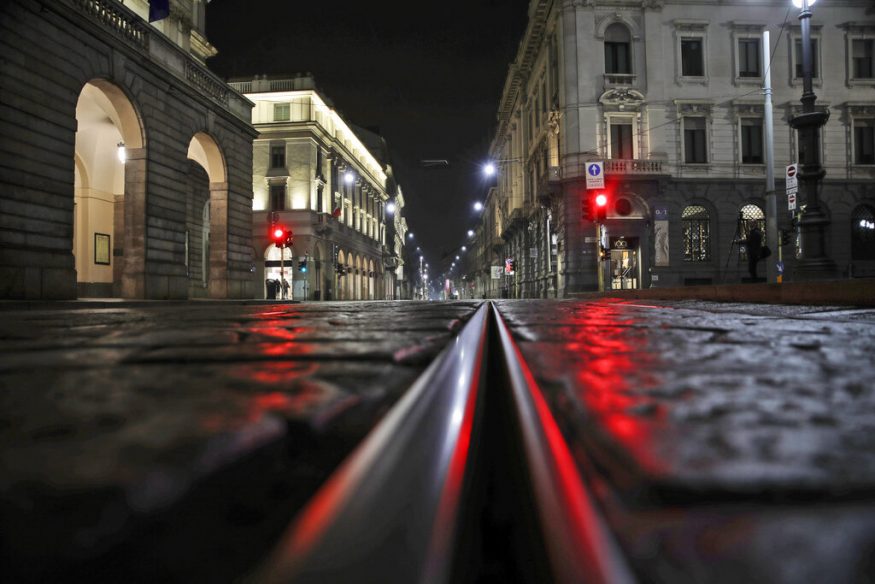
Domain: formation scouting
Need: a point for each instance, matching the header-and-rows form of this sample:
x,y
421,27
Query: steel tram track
x,y
466,479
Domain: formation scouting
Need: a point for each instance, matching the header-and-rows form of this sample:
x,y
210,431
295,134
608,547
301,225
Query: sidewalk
x,y
857,292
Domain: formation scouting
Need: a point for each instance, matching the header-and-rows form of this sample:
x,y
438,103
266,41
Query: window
x,y
621,141
751,141
749,216
749,57
618,50
696,224
695,151
797,53
278,156
863,233
277,197
281,112
692,58
862,51
864,141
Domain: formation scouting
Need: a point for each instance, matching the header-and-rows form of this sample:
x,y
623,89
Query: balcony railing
x,y
120,20
633,166
619,80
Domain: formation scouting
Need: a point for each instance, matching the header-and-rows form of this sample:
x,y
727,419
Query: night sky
x,y
427,76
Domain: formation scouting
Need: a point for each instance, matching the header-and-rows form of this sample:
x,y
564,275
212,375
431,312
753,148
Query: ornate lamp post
x,y
813,262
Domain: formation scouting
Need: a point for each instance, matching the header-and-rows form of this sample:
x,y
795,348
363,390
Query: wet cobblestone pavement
x,y
732,442
196,426
144,443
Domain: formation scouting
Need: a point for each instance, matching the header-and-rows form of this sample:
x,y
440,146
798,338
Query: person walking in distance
x,y
754,251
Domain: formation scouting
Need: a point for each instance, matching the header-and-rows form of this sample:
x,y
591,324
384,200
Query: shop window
x,y
863,233
749,216
696,224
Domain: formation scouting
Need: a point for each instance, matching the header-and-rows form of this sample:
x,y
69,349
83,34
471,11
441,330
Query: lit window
x,y
863,233
281,112
749,216
696,225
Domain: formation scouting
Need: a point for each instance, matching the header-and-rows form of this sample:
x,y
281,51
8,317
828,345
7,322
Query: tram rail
x,y
467,478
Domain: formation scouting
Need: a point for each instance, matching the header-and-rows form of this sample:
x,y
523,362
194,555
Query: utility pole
x,y
771,200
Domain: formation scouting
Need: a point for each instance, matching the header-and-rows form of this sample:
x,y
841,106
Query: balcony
x,y
615,80
634,166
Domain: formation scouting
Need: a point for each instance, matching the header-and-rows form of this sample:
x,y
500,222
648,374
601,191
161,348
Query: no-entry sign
x,y
792,180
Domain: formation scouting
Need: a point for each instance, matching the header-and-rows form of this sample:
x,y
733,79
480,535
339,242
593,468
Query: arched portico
x,y
204,150
109,193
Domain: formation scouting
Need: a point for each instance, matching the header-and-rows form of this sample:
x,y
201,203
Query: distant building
x,y
313,174
668,95
126,166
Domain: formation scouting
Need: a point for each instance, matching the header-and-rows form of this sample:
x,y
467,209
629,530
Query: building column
x,y
133,283
218,280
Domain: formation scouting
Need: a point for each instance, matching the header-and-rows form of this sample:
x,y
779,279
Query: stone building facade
x,y
126,167
668,95
315,175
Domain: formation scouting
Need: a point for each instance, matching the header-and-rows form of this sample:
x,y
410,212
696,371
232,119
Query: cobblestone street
x,y
176,441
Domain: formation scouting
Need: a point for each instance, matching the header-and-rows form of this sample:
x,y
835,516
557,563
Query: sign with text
x,y
791,178
497,272
595,175
791,201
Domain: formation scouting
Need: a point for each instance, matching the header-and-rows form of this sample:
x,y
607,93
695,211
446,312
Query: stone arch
x,y
341,283
618,18
278,266
204,150
109,216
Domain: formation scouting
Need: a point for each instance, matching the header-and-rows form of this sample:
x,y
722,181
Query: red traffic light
x,y
601,200
279,234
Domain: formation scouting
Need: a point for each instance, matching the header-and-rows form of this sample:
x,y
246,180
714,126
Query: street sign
x,y
595,176
497,272
791,201
791,178
780,266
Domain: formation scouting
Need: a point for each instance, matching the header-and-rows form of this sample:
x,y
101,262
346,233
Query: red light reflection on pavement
x,y
613,370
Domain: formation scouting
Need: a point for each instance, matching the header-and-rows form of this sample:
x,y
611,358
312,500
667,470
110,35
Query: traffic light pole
x,y
772,274
598,257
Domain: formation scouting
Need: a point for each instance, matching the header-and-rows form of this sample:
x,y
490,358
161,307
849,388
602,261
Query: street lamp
x,y
470,233
348,177
489,169
410,235
813,261
390,207
478,206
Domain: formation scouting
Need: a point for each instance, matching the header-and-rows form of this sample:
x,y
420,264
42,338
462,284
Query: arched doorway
x,y
341,261
109,185
278,271
209,216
